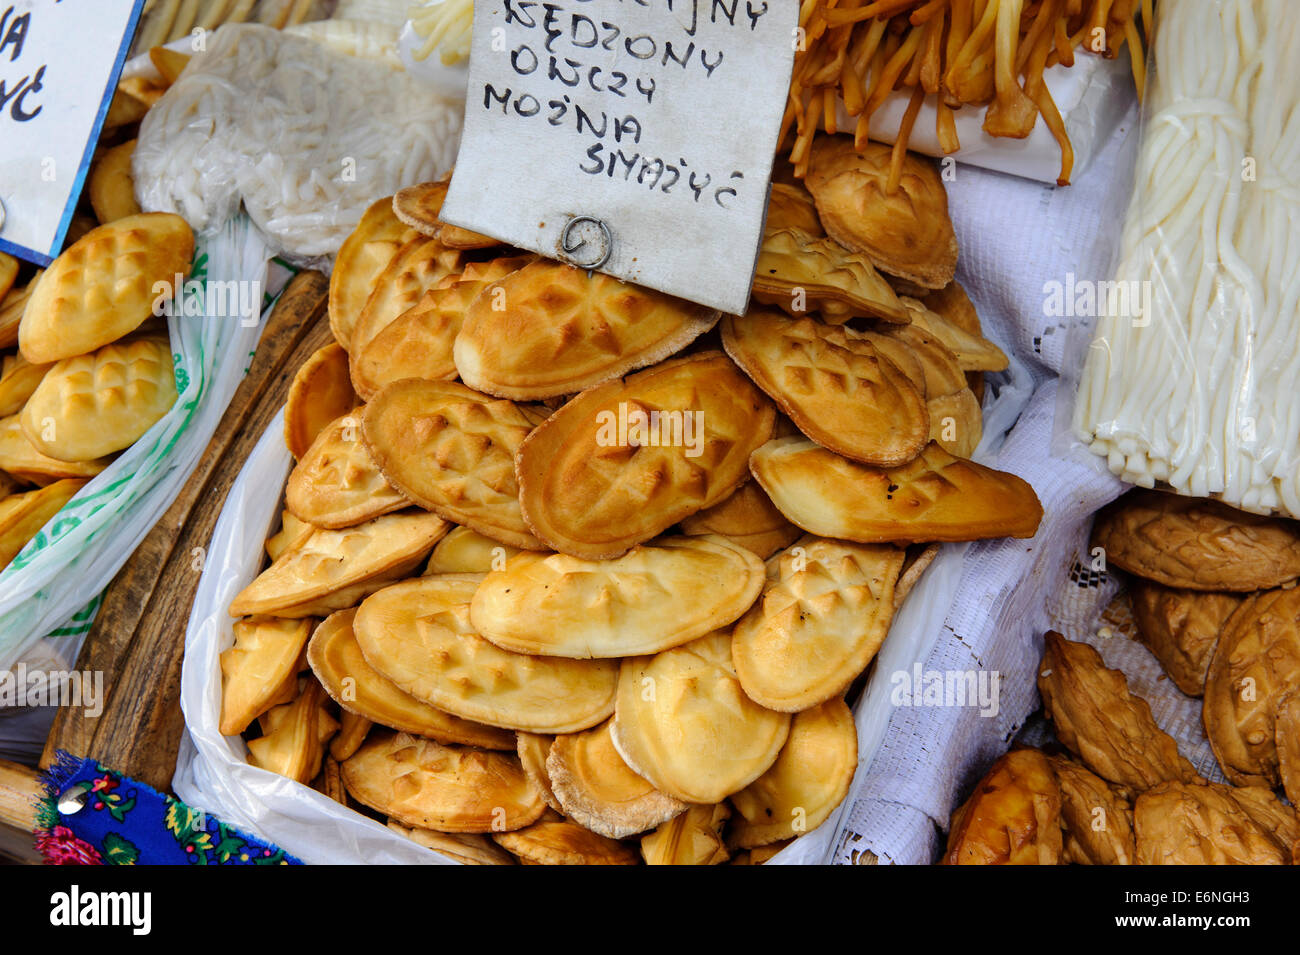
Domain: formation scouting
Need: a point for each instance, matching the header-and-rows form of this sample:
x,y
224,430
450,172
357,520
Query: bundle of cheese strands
x,y
594,588
319,94
1188,378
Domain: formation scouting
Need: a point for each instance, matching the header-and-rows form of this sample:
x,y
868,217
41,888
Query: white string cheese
x,y
1201,392
305,138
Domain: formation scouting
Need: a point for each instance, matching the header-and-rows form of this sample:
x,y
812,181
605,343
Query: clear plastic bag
x,y
1189,371
74,557
212,771
303,137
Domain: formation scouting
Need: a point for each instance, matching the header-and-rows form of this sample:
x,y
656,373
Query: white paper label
x,y
59,63
641,129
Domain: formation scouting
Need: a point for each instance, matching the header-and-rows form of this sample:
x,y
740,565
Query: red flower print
x,y
61,847
103,784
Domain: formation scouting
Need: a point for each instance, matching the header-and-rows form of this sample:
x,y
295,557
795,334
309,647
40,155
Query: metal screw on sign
x,y
571,241
73,800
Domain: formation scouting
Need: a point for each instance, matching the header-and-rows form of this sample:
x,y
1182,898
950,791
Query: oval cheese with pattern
x,y
418,634
104,285
421,782
824,613
552,329
335,657
452,450
683,722
93,405
656,596
626,460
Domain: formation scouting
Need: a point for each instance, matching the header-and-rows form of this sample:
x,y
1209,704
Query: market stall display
x,y
1235,648
507,639
210,336
1212,599
115,386
494,559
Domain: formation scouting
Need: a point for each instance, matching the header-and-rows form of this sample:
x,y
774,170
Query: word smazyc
x,y
14,93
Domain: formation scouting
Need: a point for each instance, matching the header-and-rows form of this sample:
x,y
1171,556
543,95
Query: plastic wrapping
x,y
76,555
305,138
212,770
1189,371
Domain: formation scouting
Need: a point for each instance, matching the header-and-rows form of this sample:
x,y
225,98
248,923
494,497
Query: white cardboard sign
x,y
631,136
59,64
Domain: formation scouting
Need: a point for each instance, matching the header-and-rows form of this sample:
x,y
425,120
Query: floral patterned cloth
x,y
124,822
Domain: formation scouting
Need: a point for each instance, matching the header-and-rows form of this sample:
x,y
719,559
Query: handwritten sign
x,y
631,136
59,64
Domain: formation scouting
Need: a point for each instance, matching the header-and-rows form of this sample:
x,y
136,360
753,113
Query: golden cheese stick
x,y
273,13
302,9
159,24
241,11
214,14
185,18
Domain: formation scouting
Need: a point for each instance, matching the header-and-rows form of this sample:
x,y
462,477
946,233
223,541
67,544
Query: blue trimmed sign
x,y
59,65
